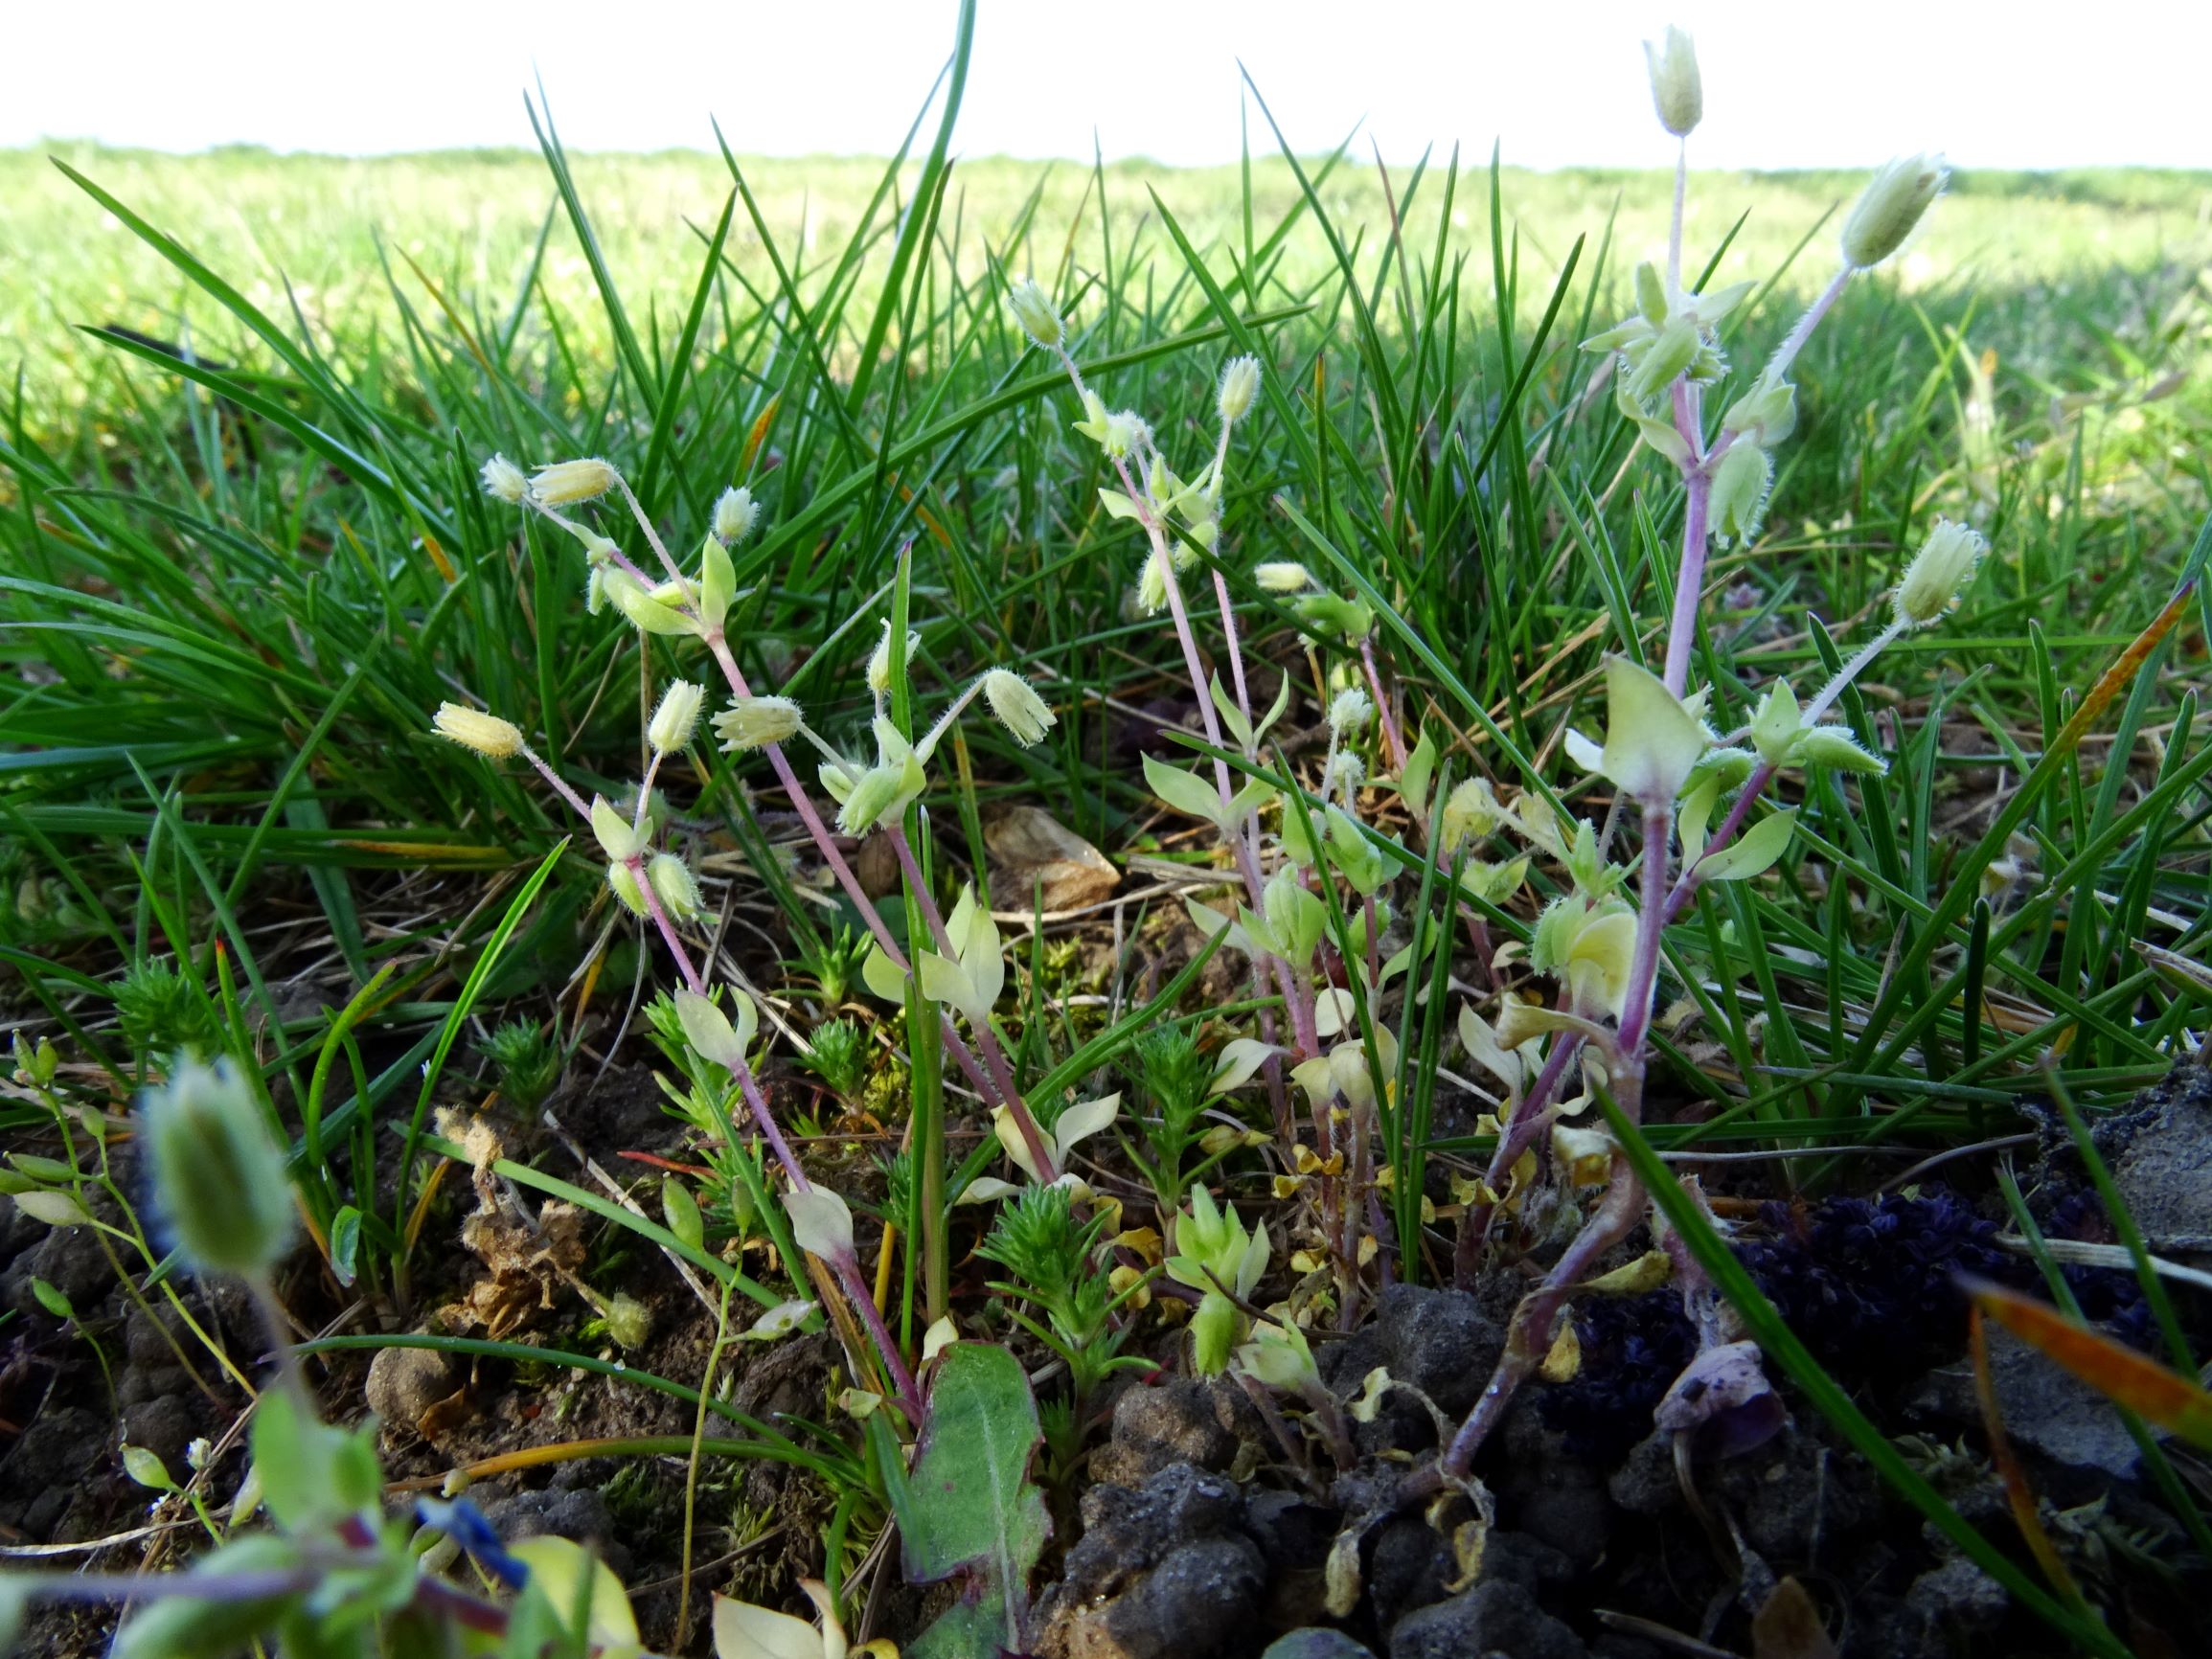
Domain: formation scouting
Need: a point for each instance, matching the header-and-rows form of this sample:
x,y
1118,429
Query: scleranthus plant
x,y
1694,796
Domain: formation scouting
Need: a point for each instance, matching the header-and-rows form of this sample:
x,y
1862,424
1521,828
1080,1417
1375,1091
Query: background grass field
x,y
2032,362
2100,245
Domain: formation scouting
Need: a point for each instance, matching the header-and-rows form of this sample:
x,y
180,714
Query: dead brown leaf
x,y
1028,846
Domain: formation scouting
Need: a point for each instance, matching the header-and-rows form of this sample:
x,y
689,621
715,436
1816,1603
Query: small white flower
x,y
1938,574
736,512
1894,200
754,722
1239,384
504,481
1677,93
1024,712
1035,311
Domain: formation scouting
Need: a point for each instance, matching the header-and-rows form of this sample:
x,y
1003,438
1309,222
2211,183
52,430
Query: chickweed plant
x,y
1694,796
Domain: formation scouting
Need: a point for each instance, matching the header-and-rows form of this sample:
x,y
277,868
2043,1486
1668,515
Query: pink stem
x,y
1786,354
1533,1326
667,928
1689,580
560,785
1515,1136
1675,224
1535,1321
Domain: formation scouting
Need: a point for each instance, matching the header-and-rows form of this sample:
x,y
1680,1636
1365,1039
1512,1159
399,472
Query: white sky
x,y
1788,82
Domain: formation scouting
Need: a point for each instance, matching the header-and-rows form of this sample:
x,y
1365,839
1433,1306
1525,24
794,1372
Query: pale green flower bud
x,y
717,584
503,481
1351,618
876,797
1892,205
1239,385
735,514
1775,726
1357,859
1670,353
1834,747
488,735
676,718
218,1173
622,881
1471,812
1938,574
883,790
754,722
1296,919
1766,413
628,1321
1677,92
1035,311
1213,1331
1126,432
618,839
675,886
880,661
1017,706
1279,1357
1153,585
565,483
1739,498
1282,576
35,1065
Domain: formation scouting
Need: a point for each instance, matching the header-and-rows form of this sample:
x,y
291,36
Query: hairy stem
x,y
1689,579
